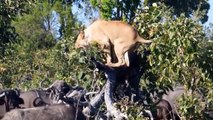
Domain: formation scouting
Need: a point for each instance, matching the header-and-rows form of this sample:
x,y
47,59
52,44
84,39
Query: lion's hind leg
x,y
126,56
120,52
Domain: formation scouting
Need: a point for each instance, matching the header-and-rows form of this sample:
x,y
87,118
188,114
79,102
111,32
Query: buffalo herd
x,y
57,102
61,101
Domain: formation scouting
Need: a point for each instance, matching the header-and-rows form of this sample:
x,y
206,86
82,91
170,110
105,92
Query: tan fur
x,y
116,35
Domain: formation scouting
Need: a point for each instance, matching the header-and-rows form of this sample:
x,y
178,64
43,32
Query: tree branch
x,y
95,104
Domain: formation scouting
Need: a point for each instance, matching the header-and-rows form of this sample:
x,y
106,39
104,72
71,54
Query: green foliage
x,y
126,10
9,9
120,10
176,53
206,56
133,110
34,56
105,7
71,65
36,29
190,107
62,62
186,7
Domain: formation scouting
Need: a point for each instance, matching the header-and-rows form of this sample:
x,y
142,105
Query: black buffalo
x,y
9,99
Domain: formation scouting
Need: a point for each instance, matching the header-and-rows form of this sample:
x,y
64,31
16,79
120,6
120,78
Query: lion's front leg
x,y
109,59
107,51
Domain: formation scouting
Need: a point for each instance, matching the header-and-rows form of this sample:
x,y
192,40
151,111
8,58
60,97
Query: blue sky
x,y
210,13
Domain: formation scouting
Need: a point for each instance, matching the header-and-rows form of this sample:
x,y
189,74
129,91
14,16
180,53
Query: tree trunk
x,y
127,76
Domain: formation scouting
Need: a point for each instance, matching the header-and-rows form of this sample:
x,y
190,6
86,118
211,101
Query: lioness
x,y
111,34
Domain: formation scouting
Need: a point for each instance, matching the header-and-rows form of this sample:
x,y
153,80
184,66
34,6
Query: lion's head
x,y
81,41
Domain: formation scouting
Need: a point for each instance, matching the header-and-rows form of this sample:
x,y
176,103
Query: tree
x,y
8,11
125,9
205,59
119,10
38,31
175,56
187,7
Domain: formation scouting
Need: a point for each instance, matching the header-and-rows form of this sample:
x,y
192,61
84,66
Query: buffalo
x,y
9,99
45,96
67,109
52,112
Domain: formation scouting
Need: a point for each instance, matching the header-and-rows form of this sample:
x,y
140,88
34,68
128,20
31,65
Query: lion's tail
x,y
142,40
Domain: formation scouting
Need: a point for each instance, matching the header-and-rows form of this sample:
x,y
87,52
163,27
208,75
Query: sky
x,y
80,12
210,13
